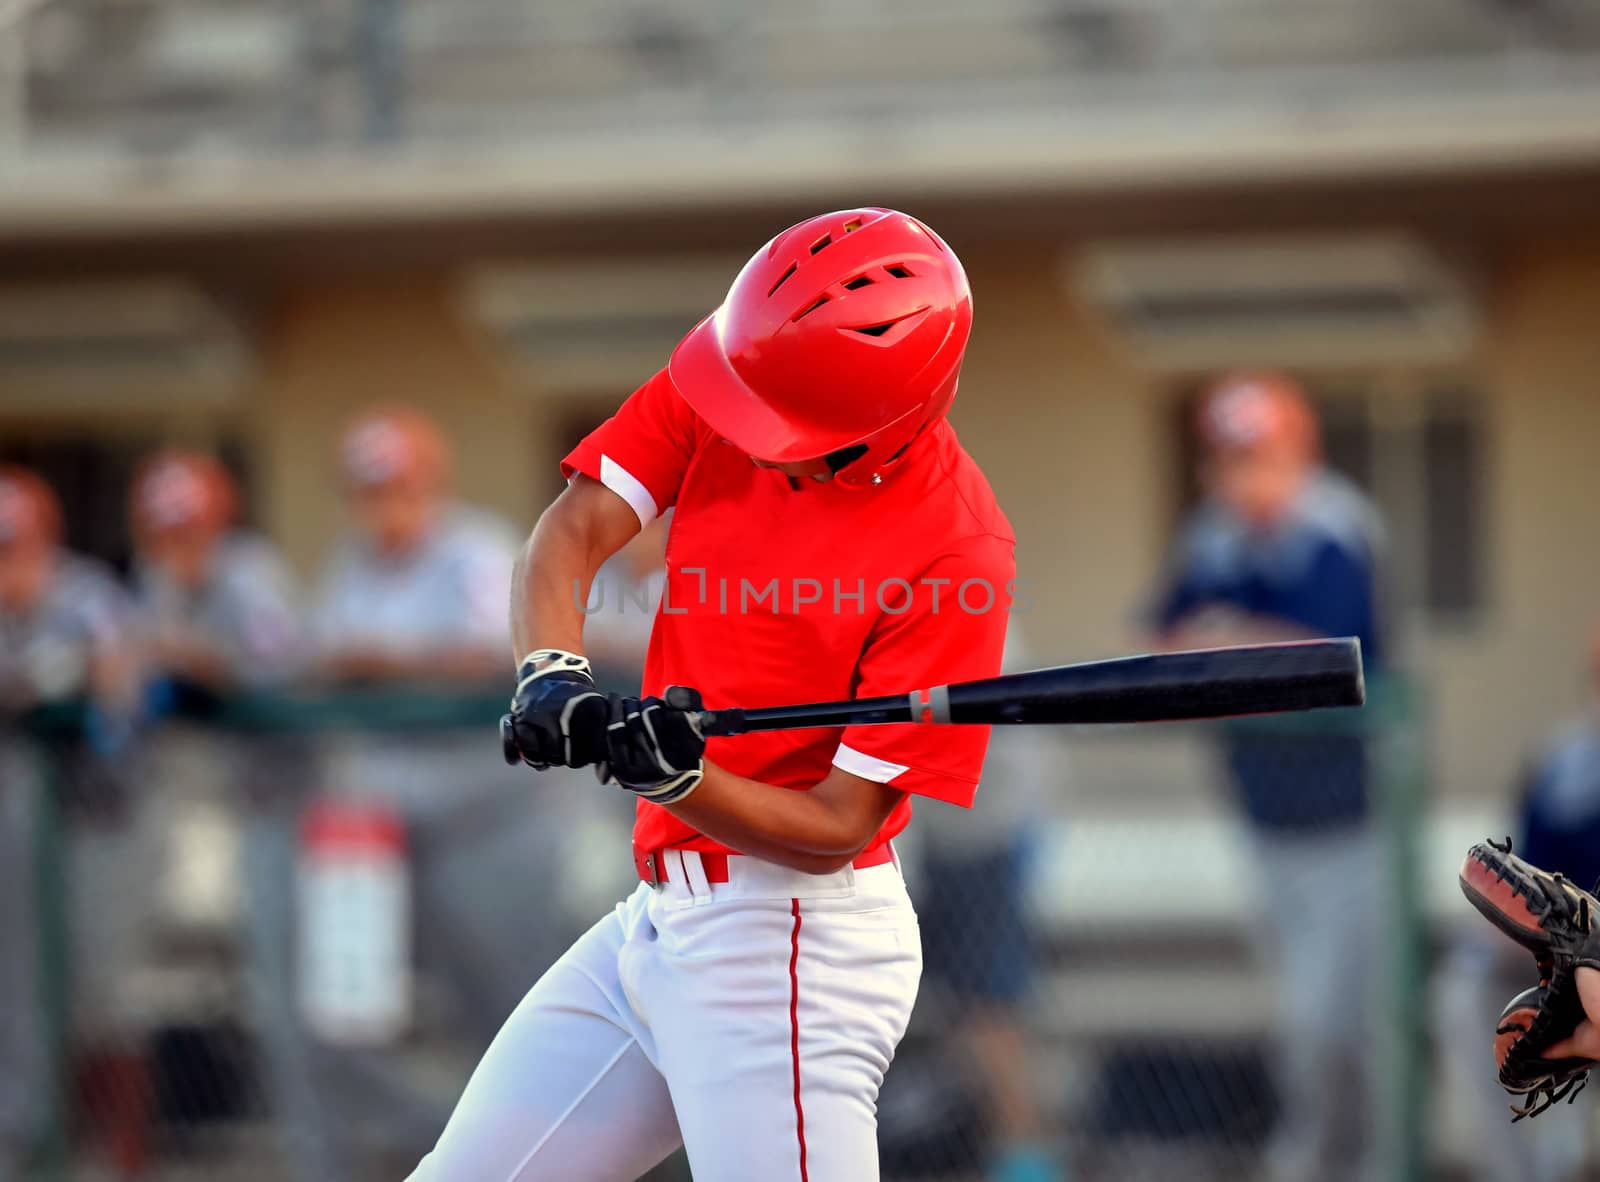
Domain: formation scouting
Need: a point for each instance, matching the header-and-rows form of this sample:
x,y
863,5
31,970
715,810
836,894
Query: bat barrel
x,y
1162,687
1171,687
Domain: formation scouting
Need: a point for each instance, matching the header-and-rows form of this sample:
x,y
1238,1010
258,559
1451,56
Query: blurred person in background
x,y
219,614
416,591
66,640
1559,799
977,943
1284,549
64,616
414,596
1557,828
216,602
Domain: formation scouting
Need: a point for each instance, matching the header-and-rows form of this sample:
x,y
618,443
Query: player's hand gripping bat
x,y
1161,687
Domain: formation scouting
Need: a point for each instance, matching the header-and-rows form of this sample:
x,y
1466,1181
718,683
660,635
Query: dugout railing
x,y
1147,1021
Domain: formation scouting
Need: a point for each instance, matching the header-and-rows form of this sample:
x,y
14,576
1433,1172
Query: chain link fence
x,y
272,942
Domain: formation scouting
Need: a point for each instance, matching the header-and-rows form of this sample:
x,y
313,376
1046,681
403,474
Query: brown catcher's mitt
x,y
1557,922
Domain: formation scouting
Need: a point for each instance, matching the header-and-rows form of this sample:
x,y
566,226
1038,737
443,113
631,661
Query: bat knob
x,y
721,722
681,697
508,741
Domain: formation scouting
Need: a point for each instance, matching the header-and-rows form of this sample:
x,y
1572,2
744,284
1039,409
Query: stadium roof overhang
x,y
1086,172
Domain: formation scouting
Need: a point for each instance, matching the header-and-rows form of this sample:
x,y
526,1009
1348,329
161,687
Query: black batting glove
x,y
654,747
557,717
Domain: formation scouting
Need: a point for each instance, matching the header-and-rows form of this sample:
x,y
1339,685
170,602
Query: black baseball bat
x,y
1159,687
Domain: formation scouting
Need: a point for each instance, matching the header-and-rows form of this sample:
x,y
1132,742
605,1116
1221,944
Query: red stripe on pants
x,y
794,1034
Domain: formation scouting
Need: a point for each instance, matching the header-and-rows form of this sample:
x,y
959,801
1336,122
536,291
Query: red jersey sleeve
x,y
953,628
642,452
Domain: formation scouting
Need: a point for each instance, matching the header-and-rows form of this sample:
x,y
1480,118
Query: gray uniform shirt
x,y
246,608
47,654
452,591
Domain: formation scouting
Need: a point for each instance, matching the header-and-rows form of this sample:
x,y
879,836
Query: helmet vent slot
x,y
810,308
852,225
782,279
858,282
899,271
821,242
876,330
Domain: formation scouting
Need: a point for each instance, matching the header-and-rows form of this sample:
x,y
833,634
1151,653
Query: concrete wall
x,y
332,351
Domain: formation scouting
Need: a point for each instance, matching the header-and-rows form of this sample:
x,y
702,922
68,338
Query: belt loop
x,y
694,874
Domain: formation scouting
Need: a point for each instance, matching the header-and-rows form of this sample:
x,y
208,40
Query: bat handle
x,y
722,722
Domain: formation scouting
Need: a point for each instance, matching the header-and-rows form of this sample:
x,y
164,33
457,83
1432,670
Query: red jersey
x,y
776,595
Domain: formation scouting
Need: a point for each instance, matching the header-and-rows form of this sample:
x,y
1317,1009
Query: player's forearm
x,y
553,574
808,831
543,614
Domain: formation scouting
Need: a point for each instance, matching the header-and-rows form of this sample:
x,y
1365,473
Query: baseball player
x,y
218,608
1547,1038
1284,549
1557,826
63,619
831,540
415,594
65,637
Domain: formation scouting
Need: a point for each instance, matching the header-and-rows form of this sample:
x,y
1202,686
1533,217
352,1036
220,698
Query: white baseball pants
x,y
751,1021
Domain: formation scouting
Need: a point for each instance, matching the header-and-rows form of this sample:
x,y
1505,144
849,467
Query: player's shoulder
x,y
1574,741
663,403
1211,541
246,558
1566,783
79,574
86,586
964,495
1336,512
470,533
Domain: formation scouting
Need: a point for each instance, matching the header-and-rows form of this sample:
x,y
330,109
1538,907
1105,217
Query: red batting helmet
x,y
844,331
